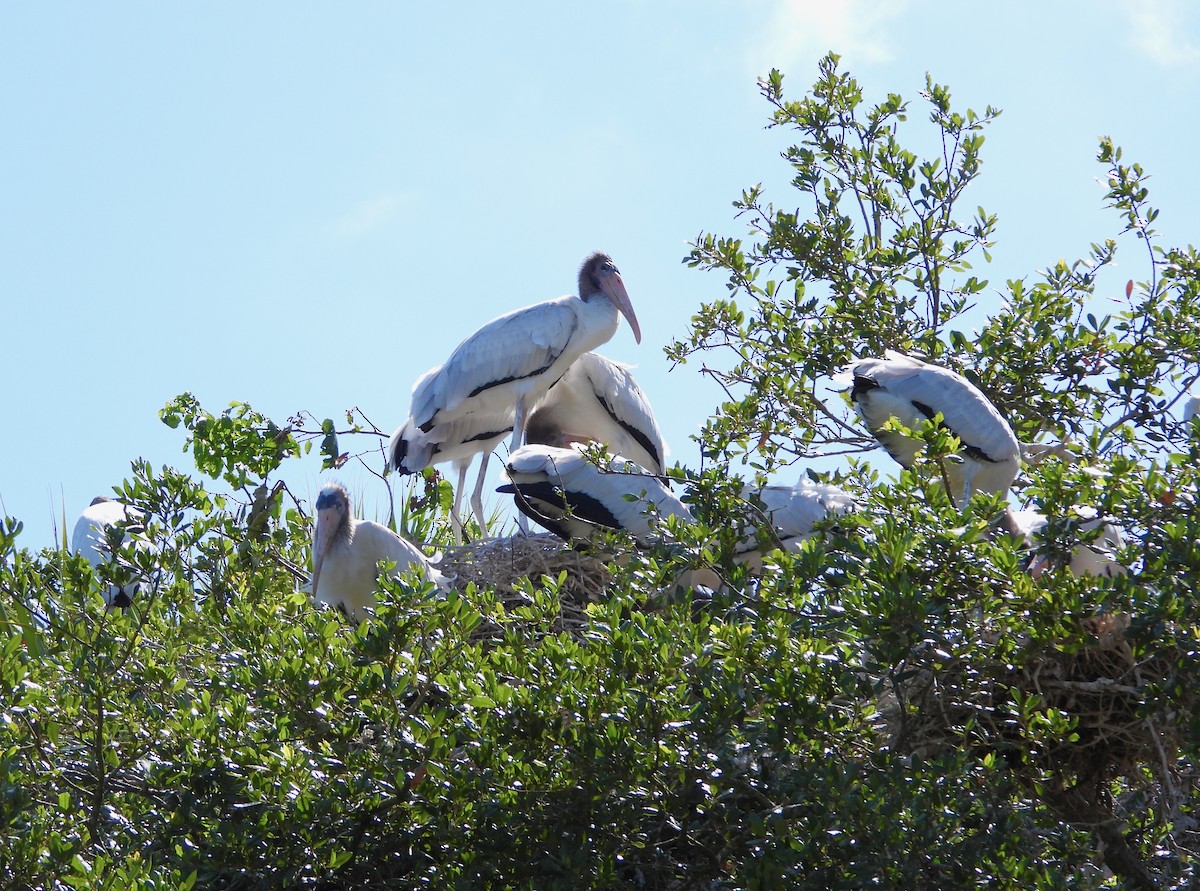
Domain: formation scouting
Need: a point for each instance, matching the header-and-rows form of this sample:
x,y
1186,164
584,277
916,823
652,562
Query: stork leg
x,y
455,517
513,445
968,476
477,495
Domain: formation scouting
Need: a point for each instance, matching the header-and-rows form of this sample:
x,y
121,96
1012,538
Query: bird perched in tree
x,y
911,391
561,490
494,378
1093,556
794,512
598,400
106,523
347,553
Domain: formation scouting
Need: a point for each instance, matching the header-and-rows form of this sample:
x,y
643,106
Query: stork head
x,y
599,276
333,522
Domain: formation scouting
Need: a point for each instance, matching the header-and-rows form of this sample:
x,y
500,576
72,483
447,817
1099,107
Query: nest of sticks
x,y
513,566
942,702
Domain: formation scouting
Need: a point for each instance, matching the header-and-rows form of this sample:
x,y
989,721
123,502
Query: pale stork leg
x,y
518,425
514,444
477,495
455,517
968,476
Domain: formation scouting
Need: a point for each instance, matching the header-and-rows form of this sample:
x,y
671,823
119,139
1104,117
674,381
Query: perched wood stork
x,y
1094,557
598,400
561,490
347,553
794,512
912,391
458,441
506,366
91,538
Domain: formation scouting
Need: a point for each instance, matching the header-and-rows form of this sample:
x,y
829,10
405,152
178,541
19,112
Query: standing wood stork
x,y
507,365
598,400
912,391
566,493
794,512
1093,557
94,531
347,553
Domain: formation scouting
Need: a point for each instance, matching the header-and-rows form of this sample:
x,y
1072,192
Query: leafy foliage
x,y
897,704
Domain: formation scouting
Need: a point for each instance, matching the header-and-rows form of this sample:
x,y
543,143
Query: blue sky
x,y
306,206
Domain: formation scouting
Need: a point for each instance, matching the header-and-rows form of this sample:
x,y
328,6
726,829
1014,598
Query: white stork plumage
x,y
1093,557
91,539
1191,408
794,512
598,400
505,367
347,553
912,391
561,490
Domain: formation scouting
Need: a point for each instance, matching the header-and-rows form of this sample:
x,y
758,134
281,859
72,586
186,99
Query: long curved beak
x,y
614,287
321,542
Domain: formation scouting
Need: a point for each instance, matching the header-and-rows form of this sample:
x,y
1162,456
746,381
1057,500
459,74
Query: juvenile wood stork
x,y
457,441
91,538
347,553
794,512
598,400
561,490
1094,557
912,391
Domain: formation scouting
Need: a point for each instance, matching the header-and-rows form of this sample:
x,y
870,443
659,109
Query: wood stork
x,y
561,490
794,512
598,400
912,391
457,441
95,530
1094,557
347,553
507,365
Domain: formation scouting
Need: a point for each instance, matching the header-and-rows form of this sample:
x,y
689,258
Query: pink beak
x,y
614,287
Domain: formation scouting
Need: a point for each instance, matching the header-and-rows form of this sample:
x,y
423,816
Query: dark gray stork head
x,y
333,523
599,277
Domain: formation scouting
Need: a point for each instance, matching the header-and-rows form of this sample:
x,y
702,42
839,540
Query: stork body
x,y
90,538
598,400
794,512
506,366
347,553
912,391
1095,557
566,493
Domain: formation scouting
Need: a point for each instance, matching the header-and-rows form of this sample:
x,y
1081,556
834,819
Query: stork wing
x,y
966,411
381,543
506,349
626,403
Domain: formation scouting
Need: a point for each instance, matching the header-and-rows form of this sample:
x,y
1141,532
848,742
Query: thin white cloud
x,y
804,30
367,216
1160,30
